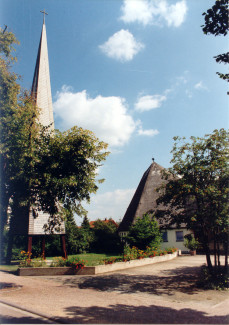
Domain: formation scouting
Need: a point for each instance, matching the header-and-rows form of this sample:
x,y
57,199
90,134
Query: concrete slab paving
x,y
163,293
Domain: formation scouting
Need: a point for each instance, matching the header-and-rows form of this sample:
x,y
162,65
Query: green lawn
x,y
94,259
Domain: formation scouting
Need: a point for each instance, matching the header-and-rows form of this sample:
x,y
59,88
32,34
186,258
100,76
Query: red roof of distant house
x,y
91,223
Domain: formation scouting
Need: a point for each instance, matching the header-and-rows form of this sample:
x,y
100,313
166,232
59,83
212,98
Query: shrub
x,y
170,250
145,232
190,242
72,261
75,262
58,262
213,281
27,261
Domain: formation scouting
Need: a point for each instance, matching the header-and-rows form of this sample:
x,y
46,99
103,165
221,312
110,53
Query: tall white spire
x,y
41,92
41,86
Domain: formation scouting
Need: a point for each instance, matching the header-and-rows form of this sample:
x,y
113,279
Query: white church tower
x,y
41,86
32,223
41,92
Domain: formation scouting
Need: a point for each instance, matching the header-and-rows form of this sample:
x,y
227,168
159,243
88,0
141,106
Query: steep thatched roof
x,y
144,199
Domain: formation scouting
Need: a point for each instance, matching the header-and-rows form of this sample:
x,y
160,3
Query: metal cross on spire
x,y
45,13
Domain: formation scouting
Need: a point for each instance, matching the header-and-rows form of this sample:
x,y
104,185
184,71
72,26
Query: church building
x,y
144,201
33,223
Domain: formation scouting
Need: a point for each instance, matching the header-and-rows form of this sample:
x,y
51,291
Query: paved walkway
x,y
17,314
162,293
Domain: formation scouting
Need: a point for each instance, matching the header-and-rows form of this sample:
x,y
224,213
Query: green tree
x,y
85,223
78,239
106,238
16,128
9,91
196,191
144,232
216,23
66,170
71,233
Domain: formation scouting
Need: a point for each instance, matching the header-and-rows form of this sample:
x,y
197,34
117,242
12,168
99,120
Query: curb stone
x,y
35,313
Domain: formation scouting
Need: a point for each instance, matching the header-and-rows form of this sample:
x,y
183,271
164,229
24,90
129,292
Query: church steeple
x,y
41,86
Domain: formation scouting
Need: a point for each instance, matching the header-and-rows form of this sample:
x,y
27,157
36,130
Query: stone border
x,y
92,270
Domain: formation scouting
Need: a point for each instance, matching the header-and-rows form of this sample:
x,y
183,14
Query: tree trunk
x,y
215,259
218,254
207,252
225,242
3,220
9,247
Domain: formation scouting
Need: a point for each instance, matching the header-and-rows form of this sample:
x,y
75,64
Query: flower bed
x,y
110,265
134,253
27,262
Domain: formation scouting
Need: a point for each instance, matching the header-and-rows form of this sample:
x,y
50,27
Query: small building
x,y
144,201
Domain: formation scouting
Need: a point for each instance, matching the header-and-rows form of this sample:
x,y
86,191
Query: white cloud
x,y
121,46
136,11
109,204
107,117
174,14
147,103
149,133
200,86
154,12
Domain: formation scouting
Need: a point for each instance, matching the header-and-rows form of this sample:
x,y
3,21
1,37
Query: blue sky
x,y
134,72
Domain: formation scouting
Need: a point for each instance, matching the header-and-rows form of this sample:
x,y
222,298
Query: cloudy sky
x,y
135,72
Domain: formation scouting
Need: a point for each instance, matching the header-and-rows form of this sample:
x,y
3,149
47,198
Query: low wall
x,y
92,270
52,271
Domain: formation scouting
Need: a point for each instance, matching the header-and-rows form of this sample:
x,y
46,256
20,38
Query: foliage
x,y
85,223
144,232
190,242
9,92
67,169
216,23
196,191
75,262
133,253
213,281
170,250
112,260
106,238
7,42
78,239
71,261
58,262
26,260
